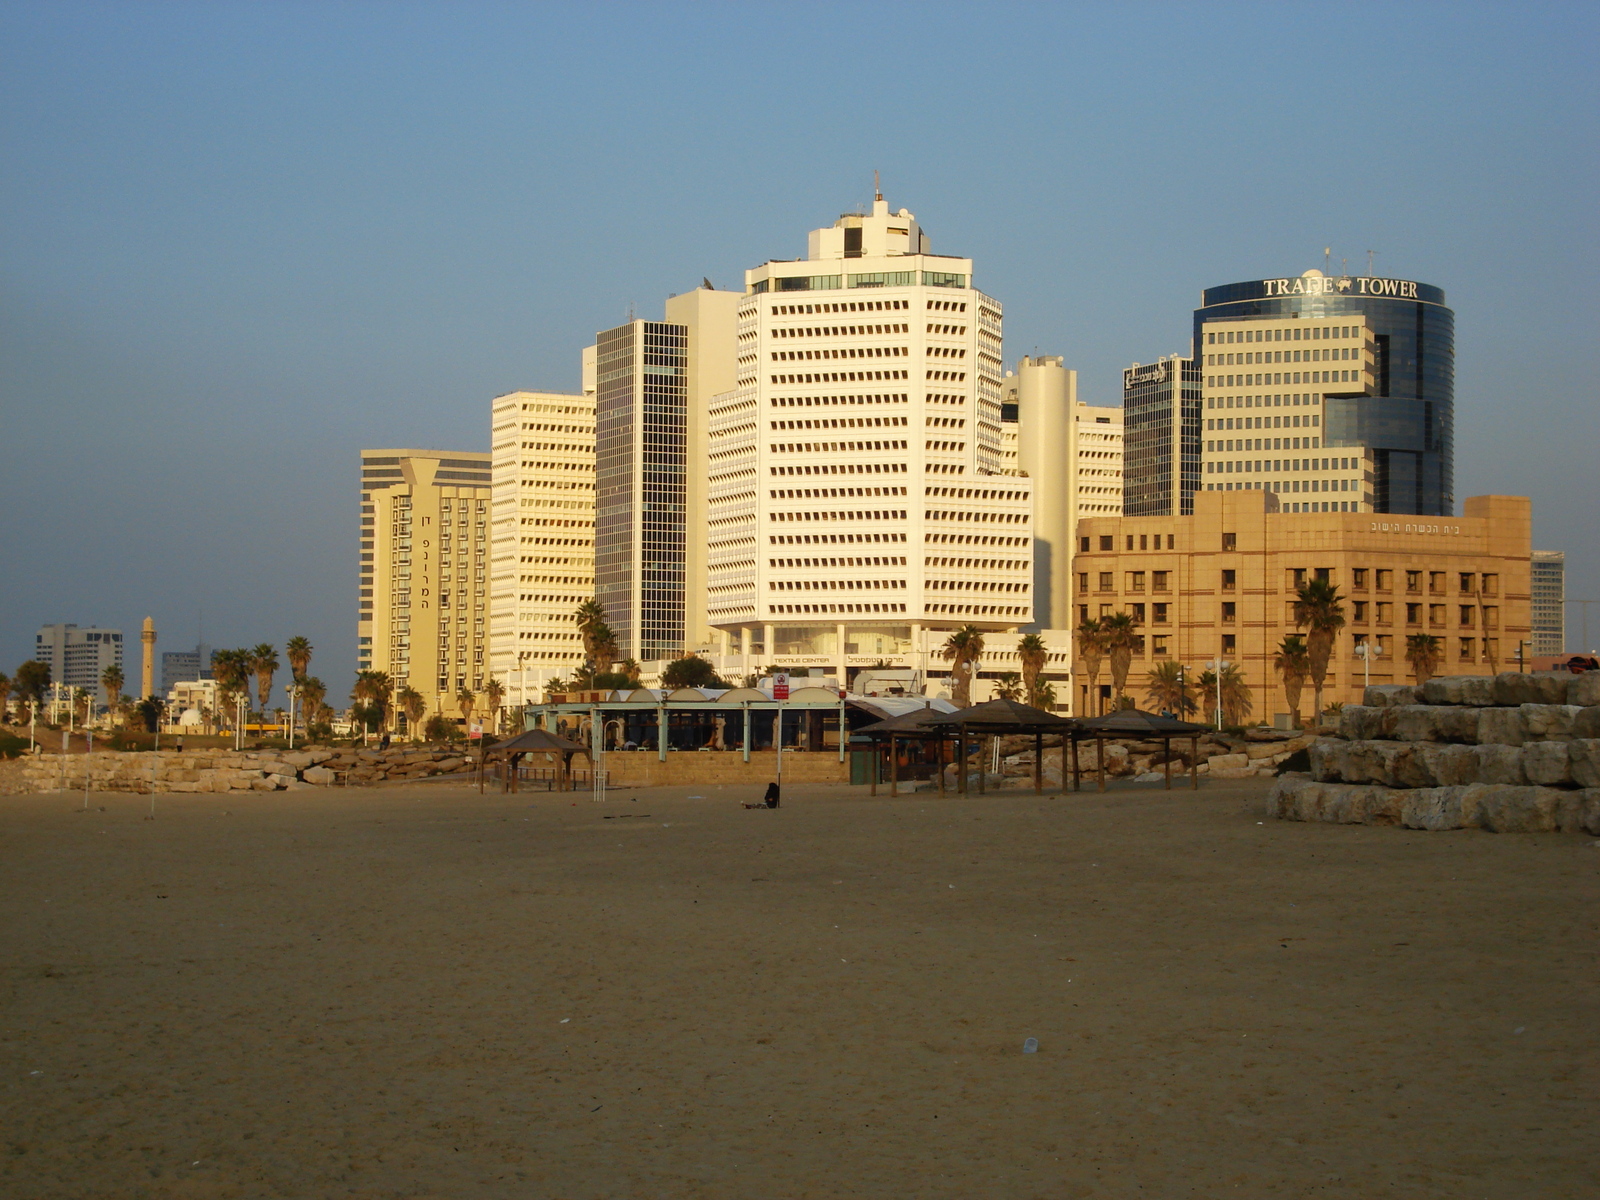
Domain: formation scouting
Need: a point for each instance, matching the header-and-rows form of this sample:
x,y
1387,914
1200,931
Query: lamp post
x,y
1366,652
1216,666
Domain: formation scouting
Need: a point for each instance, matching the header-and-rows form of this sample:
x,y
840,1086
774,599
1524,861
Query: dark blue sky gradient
x,y
240,242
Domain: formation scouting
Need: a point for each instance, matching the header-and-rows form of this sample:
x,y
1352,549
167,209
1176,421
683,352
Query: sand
x,y
421,992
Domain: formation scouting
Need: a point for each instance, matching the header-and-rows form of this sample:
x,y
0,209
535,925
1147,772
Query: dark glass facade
x,y
1408,420
641,421
1161,406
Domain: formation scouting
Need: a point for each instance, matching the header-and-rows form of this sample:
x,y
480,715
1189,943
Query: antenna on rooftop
x,y
877,188
1327,260
1370,253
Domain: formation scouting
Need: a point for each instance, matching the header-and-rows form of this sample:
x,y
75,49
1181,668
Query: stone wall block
x,y
1503,809
1388,695
1499,764
1326,755
1500,727
1451,765
1434,723
1584,690
1476,691
1548,721
1405,766
1360,722
1583,759
1531,687
1438,808
319,775
1546,763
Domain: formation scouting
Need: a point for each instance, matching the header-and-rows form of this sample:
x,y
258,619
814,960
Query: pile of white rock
x,y
225,770
1515,752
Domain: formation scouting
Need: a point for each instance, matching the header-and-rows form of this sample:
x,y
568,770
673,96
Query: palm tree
x,y
1206,685
603,649
590,617
263,664
495,693
1422,652
228,670
1167,687
1121,636
298,651
1317,607
111,679
371,693
1008,687
312,693
1293,664
465,699
1033,654
632,670
414,705
963,649
1092,648
1236,697
1044,695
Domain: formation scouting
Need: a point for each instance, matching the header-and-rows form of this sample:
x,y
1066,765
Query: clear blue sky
x,y
239,242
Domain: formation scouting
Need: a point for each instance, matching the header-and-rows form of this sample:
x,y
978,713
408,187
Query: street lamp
x,y
1366,652
1217,666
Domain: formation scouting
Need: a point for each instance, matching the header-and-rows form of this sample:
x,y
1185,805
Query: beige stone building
x,y
423,615
542,540
1222,582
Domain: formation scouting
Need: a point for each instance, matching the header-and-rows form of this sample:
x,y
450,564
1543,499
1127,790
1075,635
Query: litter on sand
x,y
1031,1046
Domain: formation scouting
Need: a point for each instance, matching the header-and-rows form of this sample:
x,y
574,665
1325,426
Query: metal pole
x,y
939,750
894,767
89,738
1077,771
746,746
1100,754
661,732
1038,764
778,741
961,758
844,726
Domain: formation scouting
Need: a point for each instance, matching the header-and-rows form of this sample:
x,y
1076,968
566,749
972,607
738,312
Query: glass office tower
x,y
1161,406
1396,409
640,428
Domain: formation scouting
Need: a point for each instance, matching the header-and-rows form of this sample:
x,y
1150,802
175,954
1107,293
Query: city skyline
x,y
200,350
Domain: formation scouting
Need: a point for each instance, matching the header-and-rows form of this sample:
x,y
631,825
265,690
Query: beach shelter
x,y
1146,726
536,741
906,726
995,717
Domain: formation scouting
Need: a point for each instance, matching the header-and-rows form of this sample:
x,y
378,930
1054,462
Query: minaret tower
x,y
147,668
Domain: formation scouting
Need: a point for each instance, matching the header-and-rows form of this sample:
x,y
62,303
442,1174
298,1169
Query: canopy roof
x,y
1136,721
913,722
535,741
997,715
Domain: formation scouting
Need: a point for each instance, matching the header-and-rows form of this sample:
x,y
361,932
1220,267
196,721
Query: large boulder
x,y
1583,757
1546,763
321,776
1432,723
1360,722
1450,765
1474,690
1387,695
1531,687
1225,762
1503,809
1500,726
451,764
1548,721
1587,723
1584,690
1438,808
1499,764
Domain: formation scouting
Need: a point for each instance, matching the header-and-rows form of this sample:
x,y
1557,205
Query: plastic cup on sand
x,y
1031,1046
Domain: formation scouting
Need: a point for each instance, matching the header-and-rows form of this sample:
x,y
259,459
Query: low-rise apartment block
x,y
1222,584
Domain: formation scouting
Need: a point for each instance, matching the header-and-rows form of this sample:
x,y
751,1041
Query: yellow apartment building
x,y
1223,581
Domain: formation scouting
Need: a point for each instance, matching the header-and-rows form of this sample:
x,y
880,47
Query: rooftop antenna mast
x,y
1327,260
877,188
1370,253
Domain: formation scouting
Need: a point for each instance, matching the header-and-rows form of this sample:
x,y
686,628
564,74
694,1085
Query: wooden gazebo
x,y
536,741
1133,722
989,720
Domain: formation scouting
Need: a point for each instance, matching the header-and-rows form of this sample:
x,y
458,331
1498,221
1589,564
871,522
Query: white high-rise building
x,y
858,509
1073,453
542,540
78,657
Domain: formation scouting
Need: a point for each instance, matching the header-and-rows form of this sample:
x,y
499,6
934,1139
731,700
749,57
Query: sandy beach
x,y
423,992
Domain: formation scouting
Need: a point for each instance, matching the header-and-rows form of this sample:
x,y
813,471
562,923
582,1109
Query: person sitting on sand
x,y
771,798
